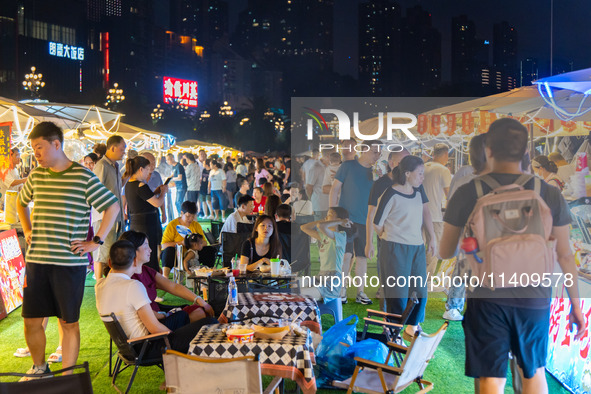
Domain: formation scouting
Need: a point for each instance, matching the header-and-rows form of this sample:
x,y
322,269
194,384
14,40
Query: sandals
x,y
56,357
22,352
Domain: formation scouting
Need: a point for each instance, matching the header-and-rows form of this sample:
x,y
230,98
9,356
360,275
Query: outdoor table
x,y
252,280
278,305
291,357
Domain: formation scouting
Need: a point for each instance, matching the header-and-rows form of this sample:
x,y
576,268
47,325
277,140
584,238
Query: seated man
x,y
283,219
245,208
128,300
171,236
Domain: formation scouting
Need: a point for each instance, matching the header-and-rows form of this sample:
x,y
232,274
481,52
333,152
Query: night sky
x,y
531,19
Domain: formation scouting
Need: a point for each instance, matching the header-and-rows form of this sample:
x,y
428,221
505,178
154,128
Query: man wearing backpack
x,y
512,319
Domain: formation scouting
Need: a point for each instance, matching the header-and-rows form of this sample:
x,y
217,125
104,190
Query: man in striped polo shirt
x,y
63,192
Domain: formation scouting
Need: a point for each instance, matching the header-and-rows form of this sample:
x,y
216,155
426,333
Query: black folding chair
x,y
127,352
232,246
216,228
244,227
392,324
74,383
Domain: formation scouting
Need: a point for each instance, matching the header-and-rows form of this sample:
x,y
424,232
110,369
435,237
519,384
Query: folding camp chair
x,y
390,323
127,352
232,246
216,228
75,383
373,377
191,374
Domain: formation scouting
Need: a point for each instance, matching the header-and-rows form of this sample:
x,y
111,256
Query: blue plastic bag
x,y
370,349
331,360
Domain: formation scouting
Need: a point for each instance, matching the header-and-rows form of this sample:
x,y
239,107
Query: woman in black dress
x,y
143,204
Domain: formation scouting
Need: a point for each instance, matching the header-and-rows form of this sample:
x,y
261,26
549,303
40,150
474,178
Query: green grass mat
x,y
446,370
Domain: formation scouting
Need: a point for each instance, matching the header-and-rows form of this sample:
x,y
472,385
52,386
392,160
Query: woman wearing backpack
x,y
401,214
547,170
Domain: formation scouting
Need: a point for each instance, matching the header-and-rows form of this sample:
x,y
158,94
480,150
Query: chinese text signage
x,y
180,91
68,51
12,272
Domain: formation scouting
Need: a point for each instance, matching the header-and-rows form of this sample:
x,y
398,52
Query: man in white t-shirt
x,y
12,180
128,299
436,184
240,215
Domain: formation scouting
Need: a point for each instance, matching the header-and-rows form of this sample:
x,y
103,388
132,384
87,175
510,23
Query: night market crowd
x,y
338,200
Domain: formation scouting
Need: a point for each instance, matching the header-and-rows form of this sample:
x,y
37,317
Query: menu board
x,y
12,272
568,359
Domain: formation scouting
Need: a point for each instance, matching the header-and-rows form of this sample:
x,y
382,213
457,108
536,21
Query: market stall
x,y
545,117
194,146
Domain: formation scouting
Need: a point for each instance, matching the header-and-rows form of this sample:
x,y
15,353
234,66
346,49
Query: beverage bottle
x,y
232,292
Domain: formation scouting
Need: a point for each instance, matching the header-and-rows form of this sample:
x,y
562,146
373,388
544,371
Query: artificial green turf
x,y
446,370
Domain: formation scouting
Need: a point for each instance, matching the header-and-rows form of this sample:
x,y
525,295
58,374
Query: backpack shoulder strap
x,y
524,178
488,180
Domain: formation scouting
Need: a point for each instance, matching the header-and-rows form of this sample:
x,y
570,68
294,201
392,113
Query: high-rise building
x,y
528,71
294,37
53,37
505,49
421,51
380,47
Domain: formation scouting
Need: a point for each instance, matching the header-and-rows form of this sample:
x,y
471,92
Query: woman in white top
x,y
401,215
217,188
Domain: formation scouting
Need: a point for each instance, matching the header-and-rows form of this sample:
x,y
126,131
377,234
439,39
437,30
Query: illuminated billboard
x,y
180,91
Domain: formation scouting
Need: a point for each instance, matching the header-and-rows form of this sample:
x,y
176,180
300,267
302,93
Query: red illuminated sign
x,y
180,91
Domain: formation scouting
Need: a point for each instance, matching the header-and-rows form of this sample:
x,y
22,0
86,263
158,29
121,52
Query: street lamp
x,y
115,96
33,82
157,114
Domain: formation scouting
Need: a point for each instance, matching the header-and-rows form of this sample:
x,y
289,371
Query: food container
x,y
240,335
270,332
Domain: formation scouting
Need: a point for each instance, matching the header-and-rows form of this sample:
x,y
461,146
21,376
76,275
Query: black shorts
x,y
53,290
492,330
359,241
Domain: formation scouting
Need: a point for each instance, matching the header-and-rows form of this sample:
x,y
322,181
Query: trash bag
x,y
370,349
331,361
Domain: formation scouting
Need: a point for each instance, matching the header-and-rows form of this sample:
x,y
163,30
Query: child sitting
x,y
193,244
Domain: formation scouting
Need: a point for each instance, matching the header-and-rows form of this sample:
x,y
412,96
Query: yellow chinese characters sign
x,y
5,134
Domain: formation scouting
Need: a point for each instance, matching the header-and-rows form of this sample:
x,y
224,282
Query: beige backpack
x,y
512,226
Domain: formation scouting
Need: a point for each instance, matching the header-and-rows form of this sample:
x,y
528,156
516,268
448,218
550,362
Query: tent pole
x,y
531,139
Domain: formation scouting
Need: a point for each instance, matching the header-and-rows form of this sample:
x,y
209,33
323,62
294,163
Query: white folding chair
x,y
372,377
191,374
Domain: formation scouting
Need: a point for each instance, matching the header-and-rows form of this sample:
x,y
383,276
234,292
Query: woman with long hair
x,y
143,204
401,215
262,245
271,205
261,172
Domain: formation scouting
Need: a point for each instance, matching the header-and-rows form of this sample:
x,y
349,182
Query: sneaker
x,y
344,300
362,298
22,352
453,314
36,371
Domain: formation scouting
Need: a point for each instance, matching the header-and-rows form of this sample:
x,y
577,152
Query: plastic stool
x,y
332,306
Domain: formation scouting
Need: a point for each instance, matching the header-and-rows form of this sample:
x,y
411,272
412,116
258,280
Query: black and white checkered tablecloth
x,y
249,307
290,357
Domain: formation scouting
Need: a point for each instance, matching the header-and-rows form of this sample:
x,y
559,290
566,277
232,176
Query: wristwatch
x,y
97,240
